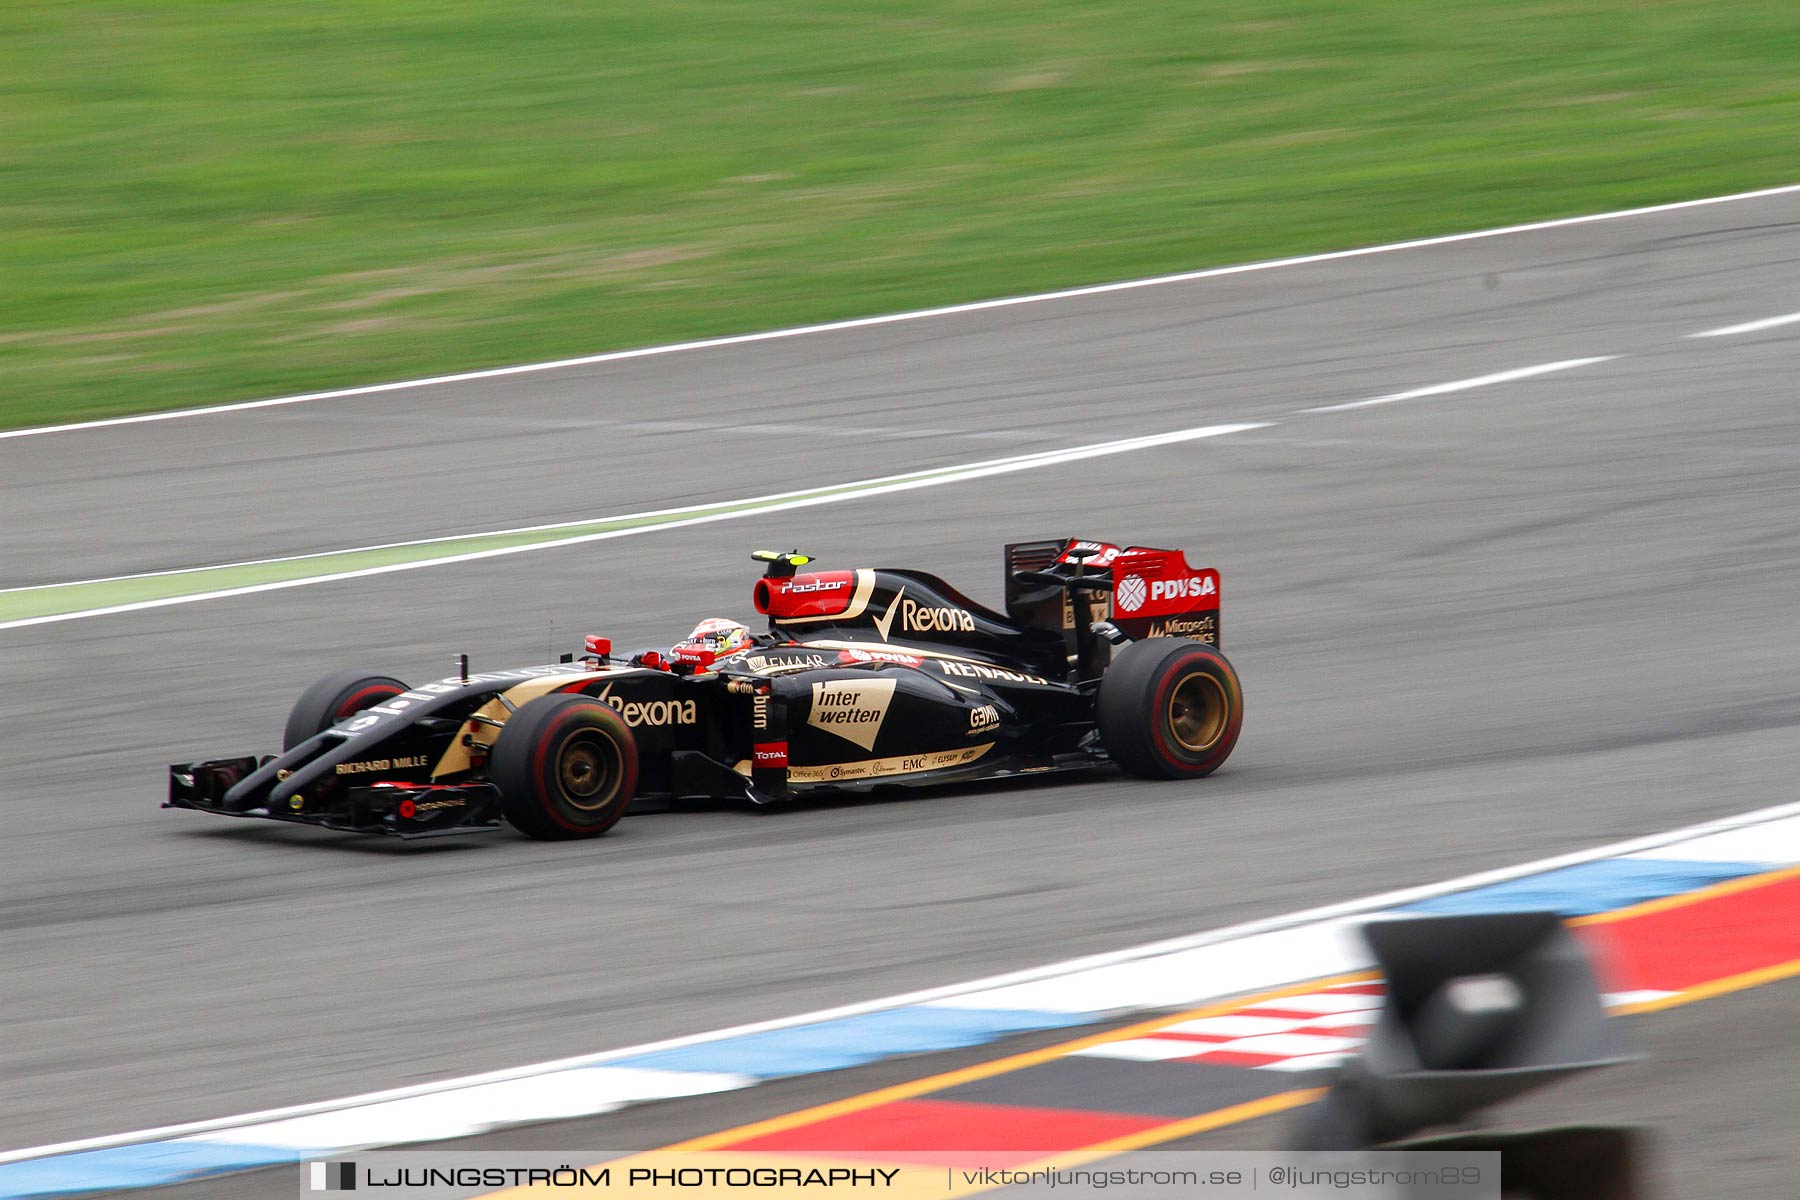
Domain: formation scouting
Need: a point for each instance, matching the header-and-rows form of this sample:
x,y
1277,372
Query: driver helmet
x,y
721,637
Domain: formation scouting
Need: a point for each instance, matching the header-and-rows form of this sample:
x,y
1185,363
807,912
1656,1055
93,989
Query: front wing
x,y
396,809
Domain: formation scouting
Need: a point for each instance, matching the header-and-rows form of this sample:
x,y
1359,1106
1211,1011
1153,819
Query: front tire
x,y
566,767
338,696
1169,708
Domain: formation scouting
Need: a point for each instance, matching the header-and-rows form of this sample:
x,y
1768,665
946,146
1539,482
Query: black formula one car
x,y
867,678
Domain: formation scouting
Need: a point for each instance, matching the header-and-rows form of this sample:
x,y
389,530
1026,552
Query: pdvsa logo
x,y
1194,587
1131,594
858,655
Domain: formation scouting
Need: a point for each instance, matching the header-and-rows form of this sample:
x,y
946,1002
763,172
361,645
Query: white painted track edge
x,y
1368,904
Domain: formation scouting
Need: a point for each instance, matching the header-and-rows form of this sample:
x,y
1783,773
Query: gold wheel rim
x,y
583,770
1199,710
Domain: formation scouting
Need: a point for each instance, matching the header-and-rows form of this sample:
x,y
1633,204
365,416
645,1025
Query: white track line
x,y
918,315
1749,326
1463,385
752,507
1349,908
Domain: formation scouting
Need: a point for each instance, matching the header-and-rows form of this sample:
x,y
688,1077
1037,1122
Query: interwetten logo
x,y
852,709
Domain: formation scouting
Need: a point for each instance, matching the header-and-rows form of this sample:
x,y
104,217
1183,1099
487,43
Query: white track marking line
x,y
653,516
854,490
948,310
1749,326
650,516
1329,912
1463,385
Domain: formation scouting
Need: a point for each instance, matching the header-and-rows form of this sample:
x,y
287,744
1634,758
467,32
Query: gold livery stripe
x,y
456,758
905,764
905,648
859,601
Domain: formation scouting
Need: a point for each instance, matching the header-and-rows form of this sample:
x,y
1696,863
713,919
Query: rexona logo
x,y
1194,587
638,713
1132,591
984,718
922,618
853,709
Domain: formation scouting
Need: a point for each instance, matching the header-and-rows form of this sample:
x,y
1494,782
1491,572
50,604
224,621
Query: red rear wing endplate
x,y
1155,593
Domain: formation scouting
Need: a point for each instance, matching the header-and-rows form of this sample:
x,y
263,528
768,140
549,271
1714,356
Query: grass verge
x,y
207,201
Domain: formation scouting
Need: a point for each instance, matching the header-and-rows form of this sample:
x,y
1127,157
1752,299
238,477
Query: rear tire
x,y
339,695
1169,708
566,767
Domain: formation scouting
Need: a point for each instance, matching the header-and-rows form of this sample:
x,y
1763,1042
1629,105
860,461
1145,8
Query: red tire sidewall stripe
x,y
554,737
363,699
1227,738
1159,734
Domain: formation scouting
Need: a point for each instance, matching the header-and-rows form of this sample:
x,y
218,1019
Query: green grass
x,y
207,200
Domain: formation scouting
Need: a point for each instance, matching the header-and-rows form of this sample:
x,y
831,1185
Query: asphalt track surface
x,y
1474,629
1737,1051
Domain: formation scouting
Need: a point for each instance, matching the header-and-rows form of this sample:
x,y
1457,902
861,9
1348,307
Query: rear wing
x,y
1151,592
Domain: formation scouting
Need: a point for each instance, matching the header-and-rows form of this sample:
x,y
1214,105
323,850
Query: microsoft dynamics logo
x,y
331,1176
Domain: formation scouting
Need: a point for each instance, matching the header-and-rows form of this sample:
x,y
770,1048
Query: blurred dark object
x,y
1577,1162
1479,1009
